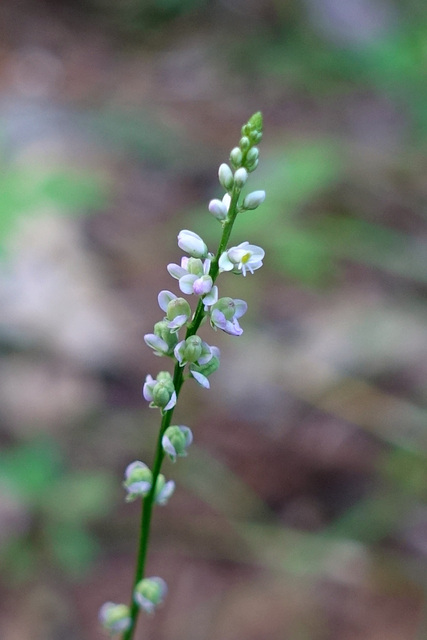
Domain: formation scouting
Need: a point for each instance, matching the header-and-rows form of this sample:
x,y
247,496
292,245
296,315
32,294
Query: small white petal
x,y
186,283
171,403
201,379
168,447
156,343
164,298
240,308
165,493
134,465
225,263
176,271
211,297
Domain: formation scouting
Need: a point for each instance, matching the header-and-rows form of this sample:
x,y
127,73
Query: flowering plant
x,y
193,358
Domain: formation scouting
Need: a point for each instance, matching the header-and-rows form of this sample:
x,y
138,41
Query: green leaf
x,y
72,547
79,497
29,469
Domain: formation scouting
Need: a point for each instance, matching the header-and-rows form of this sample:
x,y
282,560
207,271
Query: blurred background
x,y
300,513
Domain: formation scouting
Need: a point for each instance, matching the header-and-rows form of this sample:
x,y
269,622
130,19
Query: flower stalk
x,y
197,275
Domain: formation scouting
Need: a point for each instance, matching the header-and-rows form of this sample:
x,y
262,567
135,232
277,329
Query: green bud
x,y
162,330
192,349
246,130
236,157
256,122
226,306
166,378
207,369
178,307
244,143
177,439
161,394
251,167
195,266
252,155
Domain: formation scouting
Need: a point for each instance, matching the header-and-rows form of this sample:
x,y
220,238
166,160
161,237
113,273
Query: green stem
x,y
178,380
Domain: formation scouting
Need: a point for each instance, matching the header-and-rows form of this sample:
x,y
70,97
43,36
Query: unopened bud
x,y
244,143
225,176
253,199
240,177
236,157
192,243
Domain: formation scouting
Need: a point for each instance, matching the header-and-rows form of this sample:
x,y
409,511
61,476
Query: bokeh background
x,y
300,513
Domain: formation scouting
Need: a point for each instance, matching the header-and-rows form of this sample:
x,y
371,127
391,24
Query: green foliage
x,y
27,191
141,133
137,17
58,504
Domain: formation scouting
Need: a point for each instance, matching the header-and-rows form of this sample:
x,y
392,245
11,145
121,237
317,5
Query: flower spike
x,y
175,336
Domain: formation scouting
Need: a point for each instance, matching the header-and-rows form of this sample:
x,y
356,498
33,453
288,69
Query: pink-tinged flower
x,y
241,259
177,310
224,315
193,275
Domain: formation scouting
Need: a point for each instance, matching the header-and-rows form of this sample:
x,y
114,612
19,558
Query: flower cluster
x,y
196,274
139,481
148,594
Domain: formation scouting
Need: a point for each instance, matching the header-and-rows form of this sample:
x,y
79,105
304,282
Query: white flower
x,y
115,618
192,244
245,257
225,313
159,346
164,490
160,392
177,309
176,440
138,479
149,593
